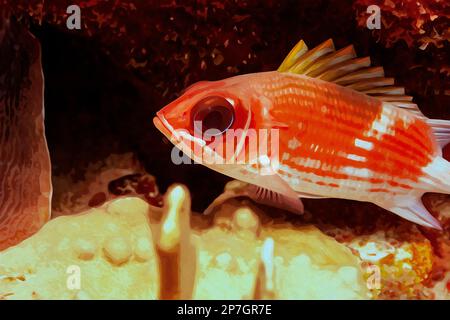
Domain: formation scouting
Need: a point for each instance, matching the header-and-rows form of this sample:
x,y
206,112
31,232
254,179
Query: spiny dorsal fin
x,y
343,67
295,54
330,60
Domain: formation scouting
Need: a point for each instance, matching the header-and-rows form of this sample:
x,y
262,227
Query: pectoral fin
x,y
274,199
258,194
265,187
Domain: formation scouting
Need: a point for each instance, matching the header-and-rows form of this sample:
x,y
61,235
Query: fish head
x,y
210,121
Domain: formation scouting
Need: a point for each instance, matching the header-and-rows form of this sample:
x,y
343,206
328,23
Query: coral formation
x,y
25,182
127,249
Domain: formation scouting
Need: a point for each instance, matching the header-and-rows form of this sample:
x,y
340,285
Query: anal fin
x,y
414,211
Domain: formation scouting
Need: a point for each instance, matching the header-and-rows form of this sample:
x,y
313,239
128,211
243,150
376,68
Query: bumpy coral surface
x,y
125,250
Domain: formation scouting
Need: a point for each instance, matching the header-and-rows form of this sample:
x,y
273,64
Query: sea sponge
x,y
25,179
127,249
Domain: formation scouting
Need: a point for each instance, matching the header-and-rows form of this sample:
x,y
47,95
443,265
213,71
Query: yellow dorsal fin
x,y
344,68
295,54
330,60
366,84
306,60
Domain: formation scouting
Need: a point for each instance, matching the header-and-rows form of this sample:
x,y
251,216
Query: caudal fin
x,y
441,130
437,176
437,173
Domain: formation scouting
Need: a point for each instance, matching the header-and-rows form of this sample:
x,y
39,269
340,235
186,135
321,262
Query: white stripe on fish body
x,y
363,144
306,182
383,124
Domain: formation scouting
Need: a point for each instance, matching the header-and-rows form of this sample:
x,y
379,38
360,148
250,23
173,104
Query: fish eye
x,y
212,116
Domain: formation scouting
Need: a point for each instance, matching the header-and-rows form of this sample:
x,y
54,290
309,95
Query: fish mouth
x,y
162,125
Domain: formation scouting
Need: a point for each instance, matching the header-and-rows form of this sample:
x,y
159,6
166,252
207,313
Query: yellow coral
x,y
115,252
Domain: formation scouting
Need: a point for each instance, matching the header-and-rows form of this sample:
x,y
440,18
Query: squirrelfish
x,y
340,129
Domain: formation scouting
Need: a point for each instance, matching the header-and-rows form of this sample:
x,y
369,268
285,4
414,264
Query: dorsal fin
x,y
344,68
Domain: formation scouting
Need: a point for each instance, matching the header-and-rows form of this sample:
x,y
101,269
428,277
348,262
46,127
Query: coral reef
x,y
25,182
418,23
115,176
127,249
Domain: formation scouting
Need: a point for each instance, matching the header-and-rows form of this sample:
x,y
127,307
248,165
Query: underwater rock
x,y
115,176
25,183
127,249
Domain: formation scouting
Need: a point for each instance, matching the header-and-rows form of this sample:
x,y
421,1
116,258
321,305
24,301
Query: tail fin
x,y
437,176
441,130
437,173
436,179
438,170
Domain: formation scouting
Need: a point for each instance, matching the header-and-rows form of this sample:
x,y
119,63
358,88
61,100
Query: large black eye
x,y
212,116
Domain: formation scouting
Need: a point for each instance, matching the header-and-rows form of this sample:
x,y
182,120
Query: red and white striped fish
x,y
345,131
